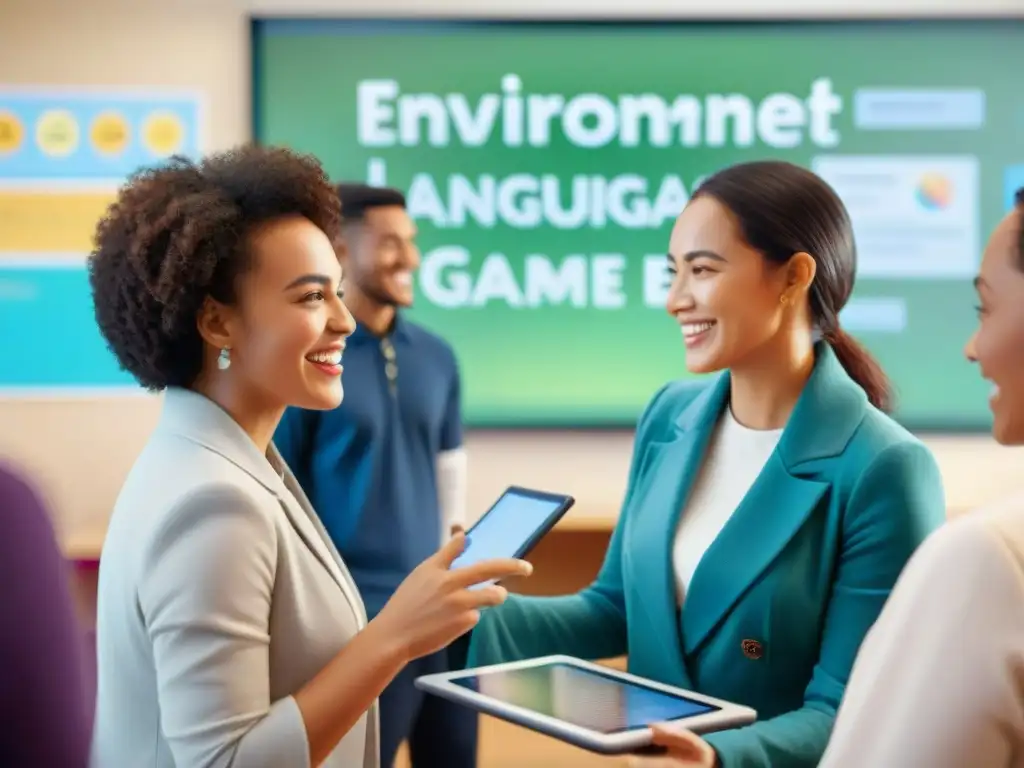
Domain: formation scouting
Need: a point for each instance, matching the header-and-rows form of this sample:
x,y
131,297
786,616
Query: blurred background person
x,y
386,471
770,510
939,682
45,712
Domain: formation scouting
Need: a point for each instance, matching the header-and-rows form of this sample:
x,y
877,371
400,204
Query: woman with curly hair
x,y
229,630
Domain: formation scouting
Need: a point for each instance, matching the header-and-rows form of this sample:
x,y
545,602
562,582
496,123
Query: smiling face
x,y
727,298
997,346
382,255
288,327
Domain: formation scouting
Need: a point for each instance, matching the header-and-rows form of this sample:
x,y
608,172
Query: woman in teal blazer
x,y
782,597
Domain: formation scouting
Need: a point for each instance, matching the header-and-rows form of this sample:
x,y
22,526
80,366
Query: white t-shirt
x,y
939,680
736,455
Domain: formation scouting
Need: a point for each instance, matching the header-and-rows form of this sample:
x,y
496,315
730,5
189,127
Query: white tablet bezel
x,y
729,715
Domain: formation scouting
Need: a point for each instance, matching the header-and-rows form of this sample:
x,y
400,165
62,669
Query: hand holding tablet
x,y
437,603
682,745
593,707
585,704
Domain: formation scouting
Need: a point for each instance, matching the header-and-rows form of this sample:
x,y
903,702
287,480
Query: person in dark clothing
x,y
45,715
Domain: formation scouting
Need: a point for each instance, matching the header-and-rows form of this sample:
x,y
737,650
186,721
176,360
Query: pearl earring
x,y
224,359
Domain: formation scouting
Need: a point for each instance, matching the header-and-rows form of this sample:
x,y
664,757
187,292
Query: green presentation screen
x,y
545,163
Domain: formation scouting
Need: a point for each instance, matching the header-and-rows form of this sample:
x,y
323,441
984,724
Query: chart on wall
x,y
63,154
545,164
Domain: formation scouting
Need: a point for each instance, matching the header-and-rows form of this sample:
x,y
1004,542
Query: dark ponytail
x,y
862,367
784,209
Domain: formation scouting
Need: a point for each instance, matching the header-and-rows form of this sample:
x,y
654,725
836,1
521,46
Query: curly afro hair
x,y
177,234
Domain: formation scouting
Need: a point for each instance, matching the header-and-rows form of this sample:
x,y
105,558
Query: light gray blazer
x,y
220,596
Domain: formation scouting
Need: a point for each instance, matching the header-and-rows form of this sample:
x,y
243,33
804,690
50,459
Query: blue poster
x,y
62,154
50,337
93,136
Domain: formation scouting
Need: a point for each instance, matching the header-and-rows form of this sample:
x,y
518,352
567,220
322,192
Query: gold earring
x,y
783,299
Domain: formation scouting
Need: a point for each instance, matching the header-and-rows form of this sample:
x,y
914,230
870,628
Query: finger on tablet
x,y
452,549
492,570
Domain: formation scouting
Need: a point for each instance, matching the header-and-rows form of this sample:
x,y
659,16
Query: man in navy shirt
x,y
385,471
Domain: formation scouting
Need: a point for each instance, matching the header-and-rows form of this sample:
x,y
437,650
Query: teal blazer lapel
x,y
768,517
785,493
668,470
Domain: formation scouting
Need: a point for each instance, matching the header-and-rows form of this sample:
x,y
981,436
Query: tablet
x,y
588,705
513,525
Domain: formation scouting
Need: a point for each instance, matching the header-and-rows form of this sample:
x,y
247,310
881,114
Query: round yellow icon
x,y
11,133
57,133
163,133
109,133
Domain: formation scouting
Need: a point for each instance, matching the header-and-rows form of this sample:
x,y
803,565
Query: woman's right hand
x,y
435,605
429,610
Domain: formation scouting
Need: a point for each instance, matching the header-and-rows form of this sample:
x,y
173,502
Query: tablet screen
x,y
506,527
586,699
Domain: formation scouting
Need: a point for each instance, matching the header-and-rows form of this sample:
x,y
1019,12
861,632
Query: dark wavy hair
x,y
180,233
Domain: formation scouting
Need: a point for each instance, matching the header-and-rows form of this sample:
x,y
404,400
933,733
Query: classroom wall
x,y
80,450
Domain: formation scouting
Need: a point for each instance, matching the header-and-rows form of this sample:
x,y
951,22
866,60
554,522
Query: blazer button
x,y
752,649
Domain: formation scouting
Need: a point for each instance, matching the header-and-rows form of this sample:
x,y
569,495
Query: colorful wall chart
x,y
62,157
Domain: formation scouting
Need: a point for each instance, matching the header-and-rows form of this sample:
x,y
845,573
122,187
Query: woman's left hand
x,y
685,750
